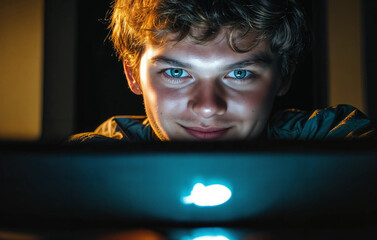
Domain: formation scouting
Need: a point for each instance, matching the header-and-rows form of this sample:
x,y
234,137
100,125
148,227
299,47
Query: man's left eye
x,y
176,73
239,74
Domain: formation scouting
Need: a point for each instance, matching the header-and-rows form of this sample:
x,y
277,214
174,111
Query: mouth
x,y
208,133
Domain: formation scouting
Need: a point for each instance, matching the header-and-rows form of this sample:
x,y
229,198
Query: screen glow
x,y
211,238
206,234
206,196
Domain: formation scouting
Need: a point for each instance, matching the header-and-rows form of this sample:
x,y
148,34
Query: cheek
x,y
250,103
164,101
170,103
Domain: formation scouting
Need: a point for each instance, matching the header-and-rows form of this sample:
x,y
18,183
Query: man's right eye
x,y
176,73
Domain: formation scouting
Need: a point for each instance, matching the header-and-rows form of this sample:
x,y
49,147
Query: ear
x,y
286,82
132,82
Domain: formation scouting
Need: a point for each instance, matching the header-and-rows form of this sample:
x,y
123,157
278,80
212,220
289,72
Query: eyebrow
x,y
170,61
257,58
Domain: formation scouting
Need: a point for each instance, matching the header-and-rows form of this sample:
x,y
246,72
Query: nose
x,y
208,101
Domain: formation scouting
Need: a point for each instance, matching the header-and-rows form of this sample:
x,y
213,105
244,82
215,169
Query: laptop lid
x,y
210,184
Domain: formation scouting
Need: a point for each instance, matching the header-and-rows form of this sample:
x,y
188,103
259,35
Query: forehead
x,y
213,49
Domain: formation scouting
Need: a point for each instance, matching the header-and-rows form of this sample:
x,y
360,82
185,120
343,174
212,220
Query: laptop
x,y
189,184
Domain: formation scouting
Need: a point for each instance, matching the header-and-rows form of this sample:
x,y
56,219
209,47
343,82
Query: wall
x,y
345,53
21,48
369,9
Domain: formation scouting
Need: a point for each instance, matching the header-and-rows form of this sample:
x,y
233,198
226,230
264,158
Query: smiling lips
x,y
206,133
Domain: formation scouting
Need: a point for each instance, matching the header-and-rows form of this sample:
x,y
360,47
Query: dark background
x,y
81,67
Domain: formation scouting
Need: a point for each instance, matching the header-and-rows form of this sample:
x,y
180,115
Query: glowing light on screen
x,y
211,238
206,196
208,234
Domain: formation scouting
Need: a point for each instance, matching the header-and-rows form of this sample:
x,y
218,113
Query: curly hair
x,y
134,23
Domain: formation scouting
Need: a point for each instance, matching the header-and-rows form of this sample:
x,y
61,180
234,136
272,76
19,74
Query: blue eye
x,y
176,73
239,74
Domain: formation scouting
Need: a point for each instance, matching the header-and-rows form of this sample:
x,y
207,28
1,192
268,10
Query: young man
x,y
211,69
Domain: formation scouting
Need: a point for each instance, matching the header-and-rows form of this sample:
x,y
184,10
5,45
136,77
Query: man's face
x,y
208,92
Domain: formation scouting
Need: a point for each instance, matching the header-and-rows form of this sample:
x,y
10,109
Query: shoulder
x,y
338,122
117,129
